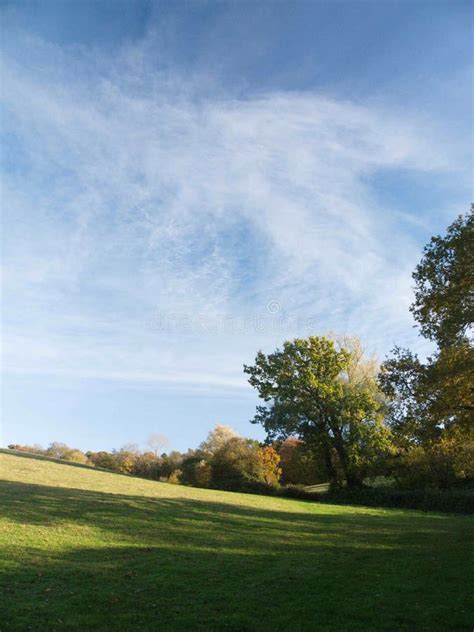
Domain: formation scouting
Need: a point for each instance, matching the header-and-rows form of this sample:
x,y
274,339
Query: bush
x,y
175,477
236,465
258,487
439,464
104,460
456,500
299,492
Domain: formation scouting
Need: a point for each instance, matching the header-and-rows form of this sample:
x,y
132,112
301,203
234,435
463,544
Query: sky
x,y
185,183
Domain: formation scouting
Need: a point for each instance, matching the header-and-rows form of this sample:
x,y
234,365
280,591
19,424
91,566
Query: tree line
x,y
332,413
224,460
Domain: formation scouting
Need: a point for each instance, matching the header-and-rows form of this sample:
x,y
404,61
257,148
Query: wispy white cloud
x,y
128,193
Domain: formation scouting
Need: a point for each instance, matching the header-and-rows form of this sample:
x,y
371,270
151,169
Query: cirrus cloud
x,y
128,193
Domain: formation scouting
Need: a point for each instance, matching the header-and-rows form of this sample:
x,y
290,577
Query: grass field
x,y
88,550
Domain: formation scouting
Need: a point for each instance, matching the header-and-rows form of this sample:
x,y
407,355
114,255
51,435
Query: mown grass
x,y
87,550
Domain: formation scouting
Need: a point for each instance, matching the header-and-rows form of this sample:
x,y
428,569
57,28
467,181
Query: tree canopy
x,y
444,291
327,395
431,398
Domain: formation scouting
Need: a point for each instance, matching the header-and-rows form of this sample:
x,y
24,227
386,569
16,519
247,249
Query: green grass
x,y
88,550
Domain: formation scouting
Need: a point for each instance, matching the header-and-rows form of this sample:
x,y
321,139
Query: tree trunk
x,y
353,479
329,464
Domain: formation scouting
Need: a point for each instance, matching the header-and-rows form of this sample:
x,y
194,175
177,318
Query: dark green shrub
x,y
258,487
459,500
236,465
298,492
455,500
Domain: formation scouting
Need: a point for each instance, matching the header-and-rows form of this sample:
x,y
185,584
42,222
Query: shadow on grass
x,y
91,560
216,523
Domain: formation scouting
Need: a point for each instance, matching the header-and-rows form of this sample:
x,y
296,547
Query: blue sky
x,y
185,183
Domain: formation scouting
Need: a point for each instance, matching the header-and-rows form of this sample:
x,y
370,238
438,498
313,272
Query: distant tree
x,y
170,462
58,450
104,460
131,447
196,469
217,439
126,457
157,442
76,456
34,449
327,396
147,465
270,460
236,464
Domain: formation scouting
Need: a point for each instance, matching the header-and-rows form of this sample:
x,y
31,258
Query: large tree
x,y
435,397
444,290
325,394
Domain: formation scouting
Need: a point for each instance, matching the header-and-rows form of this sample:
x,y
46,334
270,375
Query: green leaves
x,y
444,293
326,394
430,398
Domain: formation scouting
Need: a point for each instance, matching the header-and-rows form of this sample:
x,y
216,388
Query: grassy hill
x,y
88,550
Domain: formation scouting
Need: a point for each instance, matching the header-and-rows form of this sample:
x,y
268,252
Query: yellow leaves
x,y
270,460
